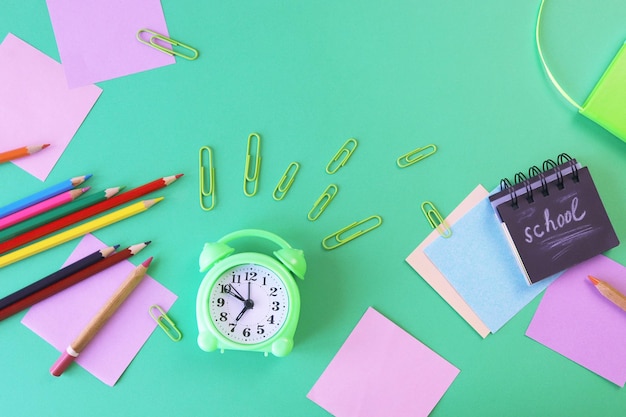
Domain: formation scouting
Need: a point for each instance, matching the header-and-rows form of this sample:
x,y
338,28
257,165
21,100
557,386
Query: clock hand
x,y
248,305
245,308
232,291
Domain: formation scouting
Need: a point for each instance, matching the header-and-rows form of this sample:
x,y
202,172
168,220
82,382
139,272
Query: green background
x,y
307,76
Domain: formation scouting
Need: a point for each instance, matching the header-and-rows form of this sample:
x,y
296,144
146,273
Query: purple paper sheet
x,y
36,107
381,370
96,38
575,320
60,318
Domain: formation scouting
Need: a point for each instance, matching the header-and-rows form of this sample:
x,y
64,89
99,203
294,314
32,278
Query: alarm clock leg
x,y
282,347
207,341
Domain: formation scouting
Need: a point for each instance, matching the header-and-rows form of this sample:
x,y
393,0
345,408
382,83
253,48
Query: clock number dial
x,y
248,304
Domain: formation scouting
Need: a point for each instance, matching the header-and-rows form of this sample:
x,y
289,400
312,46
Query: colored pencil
x,y
57,276
42,207
104,314
57,213
36,296
77,231
20,152
86,213
609,292
42,195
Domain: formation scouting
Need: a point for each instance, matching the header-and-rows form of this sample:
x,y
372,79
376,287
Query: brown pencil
x,y
609,292
96,323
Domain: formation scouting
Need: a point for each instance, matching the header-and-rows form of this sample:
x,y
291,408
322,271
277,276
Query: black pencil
x,y
57,276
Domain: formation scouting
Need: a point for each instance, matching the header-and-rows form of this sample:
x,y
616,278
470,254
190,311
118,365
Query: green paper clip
x,y
322,202
285,182
341,240
415,155
204,193
156,36
165,323
345,152
254,179
435,219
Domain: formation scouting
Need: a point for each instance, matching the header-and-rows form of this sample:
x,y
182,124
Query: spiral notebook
x,y
554,218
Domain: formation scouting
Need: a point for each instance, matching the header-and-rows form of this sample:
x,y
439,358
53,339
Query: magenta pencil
x,y
42,207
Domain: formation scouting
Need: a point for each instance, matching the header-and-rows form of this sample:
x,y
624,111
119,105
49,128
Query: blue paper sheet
x,y
479,263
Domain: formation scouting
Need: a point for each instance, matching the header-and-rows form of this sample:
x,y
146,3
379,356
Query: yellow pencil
x,y
77,231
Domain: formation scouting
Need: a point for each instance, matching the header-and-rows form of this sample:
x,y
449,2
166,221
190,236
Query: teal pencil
x,y
57,213
42,195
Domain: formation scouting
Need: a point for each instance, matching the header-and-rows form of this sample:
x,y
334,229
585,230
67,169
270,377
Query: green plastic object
x,y
606,105
249,301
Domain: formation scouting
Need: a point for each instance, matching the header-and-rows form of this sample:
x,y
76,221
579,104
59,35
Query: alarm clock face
x,y
248,303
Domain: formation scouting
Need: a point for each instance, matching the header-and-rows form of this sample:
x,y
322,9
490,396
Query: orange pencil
x,y
609,292
20,152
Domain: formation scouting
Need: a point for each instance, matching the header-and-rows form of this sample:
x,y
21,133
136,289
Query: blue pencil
x,y
42,195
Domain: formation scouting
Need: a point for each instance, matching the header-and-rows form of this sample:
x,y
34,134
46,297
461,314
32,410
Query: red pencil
x,y
86,213
20,152
67,282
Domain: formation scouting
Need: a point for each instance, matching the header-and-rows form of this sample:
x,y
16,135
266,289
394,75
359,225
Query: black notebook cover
x,y
554,220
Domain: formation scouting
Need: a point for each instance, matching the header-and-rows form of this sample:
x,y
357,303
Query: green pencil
x,y
57,213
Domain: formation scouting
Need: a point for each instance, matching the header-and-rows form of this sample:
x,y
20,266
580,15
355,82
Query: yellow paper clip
x,y
435,219
284,184
340,240
204,192
416,155
322,202
154,37
165,323
254,179
344,153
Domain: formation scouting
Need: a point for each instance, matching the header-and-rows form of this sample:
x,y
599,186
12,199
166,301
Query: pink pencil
x,y
41,207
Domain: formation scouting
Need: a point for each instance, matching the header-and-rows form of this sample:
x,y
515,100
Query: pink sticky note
x,y
381,370
423,265
575,320
36,106
96,38
60,318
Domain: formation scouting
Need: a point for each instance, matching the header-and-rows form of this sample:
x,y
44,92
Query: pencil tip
x,y
147,242
85,189
179,175
147,262
594,280
116,246
45,145
88,176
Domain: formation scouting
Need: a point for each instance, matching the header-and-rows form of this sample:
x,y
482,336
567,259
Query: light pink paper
x,y
96,38
575,320
36,107
381,370
423,266
60,318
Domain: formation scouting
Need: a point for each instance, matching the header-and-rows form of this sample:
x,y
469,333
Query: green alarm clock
x,y
249,300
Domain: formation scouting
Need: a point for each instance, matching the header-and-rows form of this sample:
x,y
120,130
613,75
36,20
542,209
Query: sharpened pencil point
x,y
594,280
179,175
45,145
147,262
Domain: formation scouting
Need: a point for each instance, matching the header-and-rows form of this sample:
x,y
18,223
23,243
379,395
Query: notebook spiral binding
x,y
549,172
